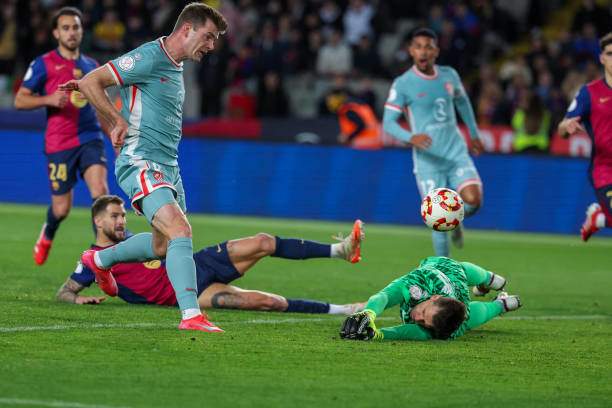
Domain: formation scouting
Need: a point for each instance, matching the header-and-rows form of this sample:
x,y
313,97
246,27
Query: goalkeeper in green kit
x,y
434,303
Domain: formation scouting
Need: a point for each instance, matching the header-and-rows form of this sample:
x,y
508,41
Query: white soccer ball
x,y
442,209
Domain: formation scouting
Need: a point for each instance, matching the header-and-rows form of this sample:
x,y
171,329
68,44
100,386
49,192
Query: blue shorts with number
x,y
63,166
456,176
213,265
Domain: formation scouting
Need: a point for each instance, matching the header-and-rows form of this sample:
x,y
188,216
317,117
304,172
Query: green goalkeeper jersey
x,y
434,276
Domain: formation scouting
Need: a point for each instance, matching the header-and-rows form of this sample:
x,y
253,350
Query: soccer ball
x,y
442,209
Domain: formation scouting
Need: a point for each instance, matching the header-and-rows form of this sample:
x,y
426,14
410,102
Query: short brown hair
x,y
102,202
197,14
66,11
451,314
605,41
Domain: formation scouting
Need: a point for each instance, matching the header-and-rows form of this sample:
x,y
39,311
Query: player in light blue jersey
x,y
427,95
148,130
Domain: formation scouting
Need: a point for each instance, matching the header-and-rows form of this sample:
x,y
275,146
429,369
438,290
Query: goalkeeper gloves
x,y
360,326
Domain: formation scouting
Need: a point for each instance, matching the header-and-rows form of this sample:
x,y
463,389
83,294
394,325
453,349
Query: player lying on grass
x,y
434,303
216,267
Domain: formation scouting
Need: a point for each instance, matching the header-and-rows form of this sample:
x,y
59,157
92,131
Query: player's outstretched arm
x,y
569,126
405,332
69,293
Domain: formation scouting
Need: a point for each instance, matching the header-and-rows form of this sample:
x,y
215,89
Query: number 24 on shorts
x,y
58,172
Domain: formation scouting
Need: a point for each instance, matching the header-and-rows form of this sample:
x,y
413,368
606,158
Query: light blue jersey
x,y
428,102
152,95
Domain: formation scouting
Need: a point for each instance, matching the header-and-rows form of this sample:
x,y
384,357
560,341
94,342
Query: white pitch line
x,y
59,327
52,403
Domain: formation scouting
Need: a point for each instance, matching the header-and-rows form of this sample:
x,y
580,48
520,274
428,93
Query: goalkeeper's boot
x,y
457,236
589,226
201,323
497,282
104,277
351,245
42,247
508,302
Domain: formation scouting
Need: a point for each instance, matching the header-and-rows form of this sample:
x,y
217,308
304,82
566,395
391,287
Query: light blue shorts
x,y
456,177
150,185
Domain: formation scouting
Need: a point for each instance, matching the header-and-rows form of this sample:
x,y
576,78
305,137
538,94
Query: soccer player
x,y
434,303
427,95
216,267
73,139
591,112
148,130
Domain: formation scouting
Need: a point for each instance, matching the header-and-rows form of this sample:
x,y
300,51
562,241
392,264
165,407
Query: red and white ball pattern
x,y
442,209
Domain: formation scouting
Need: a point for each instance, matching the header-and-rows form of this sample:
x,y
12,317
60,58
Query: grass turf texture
x,y
553,352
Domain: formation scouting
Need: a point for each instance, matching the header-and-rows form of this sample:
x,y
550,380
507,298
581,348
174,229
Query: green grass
x,y
556,351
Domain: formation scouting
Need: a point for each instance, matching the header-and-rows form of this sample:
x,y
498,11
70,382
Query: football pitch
x,y
555,351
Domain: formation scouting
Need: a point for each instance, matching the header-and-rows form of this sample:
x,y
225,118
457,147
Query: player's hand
x,y
118,133
572,125
72,85
476,147
359,326
57,99
420,141
89,300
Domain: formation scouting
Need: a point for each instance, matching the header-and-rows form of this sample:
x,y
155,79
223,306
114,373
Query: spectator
x,y
586,45
531,124
272,100
330,16
213,77
109,33
590,13
268,51
335,57
8,39
366,60
357,21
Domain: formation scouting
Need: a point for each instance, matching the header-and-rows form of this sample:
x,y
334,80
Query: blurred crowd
x,y
342,43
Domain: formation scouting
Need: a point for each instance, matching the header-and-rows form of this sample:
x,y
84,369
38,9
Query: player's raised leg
x,y
222,296
245,252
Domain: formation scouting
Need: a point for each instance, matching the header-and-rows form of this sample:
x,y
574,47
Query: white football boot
x,y
509,302
497,282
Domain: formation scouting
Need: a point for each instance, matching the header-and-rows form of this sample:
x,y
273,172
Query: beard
x,y
71,45
115,235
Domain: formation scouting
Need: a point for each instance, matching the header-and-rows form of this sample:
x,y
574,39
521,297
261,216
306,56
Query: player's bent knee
x,y
266,243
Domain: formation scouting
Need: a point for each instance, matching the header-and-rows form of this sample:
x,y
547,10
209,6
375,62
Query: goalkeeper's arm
x,y
361,326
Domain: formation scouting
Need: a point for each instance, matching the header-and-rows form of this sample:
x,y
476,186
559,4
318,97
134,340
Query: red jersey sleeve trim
x,y
115,73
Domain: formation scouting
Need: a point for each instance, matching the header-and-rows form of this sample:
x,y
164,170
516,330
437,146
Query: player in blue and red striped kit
x,y
591,112
73,139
